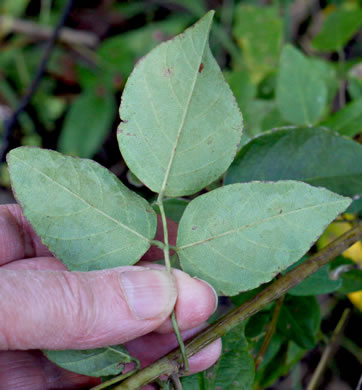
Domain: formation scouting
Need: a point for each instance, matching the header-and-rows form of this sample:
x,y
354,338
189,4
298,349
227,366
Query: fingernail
x,y
150,294
213,290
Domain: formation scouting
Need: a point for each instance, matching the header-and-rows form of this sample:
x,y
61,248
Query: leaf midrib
x,y
182,124
83,200
229,232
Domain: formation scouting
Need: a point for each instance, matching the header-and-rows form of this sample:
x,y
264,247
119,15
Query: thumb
x,y
69,310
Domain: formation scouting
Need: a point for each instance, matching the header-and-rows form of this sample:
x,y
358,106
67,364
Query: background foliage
x,y
291,64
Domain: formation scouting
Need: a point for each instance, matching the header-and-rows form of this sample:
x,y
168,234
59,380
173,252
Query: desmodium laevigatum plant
x,y
180,130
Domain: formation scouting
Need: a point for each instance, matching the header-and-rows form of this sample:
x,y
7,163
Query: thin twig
x,y
13,120
166,251
172,362
329,351
30,29
269,333
176,382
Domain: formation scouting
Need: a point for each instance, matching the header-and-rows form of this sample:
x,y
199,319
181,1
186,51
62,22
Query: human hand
x,y
44,306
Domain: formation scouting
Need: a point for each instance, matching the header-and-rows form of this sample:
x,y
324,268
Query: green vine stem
x,y
166,251
269,333
173,362
118,378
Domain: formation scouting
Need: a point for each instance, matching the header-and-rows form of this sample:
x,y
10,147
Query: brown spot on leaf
x,y
167,72
201,67
194,227
280,211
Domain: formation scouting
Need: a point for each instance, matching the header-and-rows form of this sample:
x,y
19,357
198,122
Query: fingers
x,y
23,370
17,238
36,264
59,310
70,310
196,300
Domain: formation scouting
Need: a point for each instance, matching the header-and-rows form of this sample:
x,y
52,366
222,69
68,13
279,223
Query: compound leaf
x,y
92,362
181,124
301,93
314,155
240,236
80,210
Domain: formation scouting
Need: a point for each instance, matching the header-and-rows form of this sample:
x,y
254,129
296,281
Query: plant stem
x,y
166,248
172,363
269,333
176,382
166,251
329,351
118,378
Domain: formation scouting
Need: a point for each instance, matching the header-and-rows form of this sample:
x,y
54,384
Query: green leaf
x,y
243,88
280,364
313,155
181,124
258,30
118,53
299,320
12,8
92,362
260,115
240,236
317,284
301,93
72,202
87,124
256,324
233,371
348,120
337,29
354,78
274,347
327,72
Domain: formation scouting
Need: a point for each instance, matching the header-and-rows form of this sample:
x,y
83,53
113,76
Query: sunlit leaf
x,y
81,211
240,236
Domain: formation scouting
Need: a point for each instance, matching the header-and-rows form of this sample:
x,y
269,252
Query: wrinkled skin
x,y
44,306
